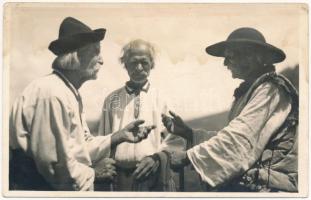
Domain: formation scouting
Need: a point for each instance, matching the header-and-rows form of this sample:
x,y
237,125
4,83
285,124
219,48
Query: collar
x,y
68,84
244,86
132,90
242,89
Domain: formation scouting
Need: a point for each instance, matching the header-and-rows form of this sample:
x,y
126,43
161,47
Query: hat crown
x,y
71,26
247,34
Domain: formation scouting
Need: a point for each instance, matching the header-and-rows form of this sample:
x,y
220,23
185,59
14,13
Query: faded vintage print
x,y
158,99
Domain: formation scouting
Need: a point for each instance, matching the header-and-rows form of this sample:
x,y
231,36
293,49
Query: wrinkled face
x,y
238,62
90,61
138,65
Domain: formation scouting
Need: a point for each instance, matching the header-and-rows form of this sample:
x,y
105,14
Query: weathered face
x,y
138,64
240,63
90,60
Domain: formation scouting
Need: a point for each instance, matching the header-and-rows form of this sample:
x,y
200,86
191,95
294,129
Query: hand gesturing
x,y
176,125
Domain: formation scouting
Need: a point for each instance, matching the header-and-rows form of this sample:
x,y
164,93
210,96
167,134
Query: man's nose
x,y
226,62
100,60
139,67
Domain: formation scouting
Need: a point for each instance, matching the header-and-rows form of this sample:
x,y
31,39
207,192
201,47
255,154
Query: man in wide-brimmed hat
x,y
257,150
51,145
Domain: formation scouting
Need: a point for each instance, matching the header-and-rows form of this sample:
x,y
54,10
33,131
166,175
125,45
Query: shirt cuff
x,y
204,177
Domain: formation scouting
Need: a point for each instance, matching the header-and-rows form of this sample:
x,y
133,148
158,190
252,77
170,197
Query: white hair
x,y
68,61
132,45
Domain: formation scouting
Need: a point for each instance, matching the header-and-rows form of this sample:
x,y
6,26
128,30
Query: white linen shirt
x,y
46,123
118,111
235,148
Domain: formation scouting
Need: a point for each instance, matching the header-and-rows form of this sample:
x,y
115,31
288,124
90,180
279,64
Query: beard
x,y
90,72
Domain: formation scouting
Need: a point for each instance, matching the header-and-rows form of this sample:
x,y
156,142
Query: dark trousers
x,y
23,174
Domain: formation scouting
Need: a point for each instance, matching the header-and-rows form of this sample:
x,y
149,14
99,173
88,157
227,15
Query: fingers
x,y
151,127
144,132
138,122
133,126
148,129
155,167
110,167
144,171
106,169
165,118
137,134
145,167
140,166
109,161
167,122
148,172
173,114
105,174
112,173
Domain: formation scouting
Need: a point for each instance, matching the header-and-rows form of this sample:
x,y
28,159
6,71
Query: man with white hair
x,y
141,166
50,143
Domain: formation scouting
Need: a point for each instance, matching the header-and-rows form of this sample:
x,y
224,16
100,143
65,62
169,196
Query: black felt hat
x,y
74,34
248,37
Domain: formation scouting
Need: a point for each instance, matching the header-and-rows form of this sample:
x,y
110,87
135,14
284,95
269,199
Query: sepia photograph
x,y
155,99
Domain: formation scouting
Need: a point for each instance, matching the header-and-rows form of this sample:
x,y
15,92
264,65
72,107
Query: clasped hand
x,y
105,170
145,168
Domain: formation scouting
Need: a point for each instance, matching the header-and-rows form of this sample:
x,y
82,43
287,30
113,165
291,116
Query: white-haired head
x,y
137,45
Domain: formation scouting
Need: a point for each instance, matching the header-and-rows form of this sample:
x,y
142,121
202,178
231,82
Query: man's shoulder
x,y
116,93
272,85
273,81
46,87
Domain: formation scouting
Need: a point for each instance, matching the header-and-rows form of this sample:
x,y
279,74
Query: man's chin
x,y
140,79
234,76
93,77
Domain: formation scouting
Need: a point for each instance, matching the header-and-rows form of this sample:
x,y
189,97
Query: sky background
x,y
195,84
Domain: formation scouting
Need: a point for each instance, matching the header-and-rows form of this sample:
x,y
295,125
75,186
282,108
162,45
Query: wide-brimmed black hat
x,y
248,37
74,34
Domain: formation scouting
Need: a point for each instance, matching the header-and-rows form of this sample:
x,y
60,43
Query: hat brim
x,y
271,53
73,42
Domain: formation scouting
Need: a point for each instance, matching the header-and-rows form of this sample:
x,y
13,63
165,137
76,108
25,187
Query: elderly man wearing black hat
x,y
257,150
51,145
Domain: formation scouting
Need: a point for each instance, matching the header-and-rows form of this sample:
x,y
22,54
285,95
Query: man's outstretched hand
x,y
132,133
176,125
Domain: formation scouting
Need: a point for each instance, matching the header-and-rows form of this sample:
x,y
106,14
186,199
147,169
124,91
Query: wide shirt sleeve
x,y
235,148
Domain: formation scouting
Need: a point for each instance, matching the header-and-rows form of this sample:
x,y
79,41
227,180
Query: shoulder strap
x,y
281,81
